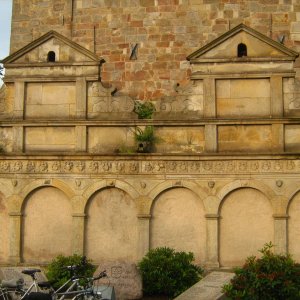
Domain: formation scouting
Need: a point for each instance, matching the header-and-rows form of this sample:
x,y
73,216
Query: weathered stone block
x,y
124,277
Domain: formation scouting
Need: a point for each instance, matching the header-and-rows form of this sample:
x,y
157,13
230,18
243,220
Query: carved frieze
x,y
149,167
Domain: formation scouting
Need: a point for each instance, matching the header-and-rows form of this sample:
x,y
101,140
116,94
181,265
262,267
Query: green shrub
x,y
271,277
166,272
57,273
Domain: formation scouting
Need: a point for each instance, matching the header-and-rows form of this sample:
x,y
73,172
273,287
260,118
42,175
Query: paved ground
x,y
209,288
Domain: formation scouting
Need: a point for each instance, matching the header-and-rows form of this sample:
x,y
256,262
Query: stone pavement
x,y
209,288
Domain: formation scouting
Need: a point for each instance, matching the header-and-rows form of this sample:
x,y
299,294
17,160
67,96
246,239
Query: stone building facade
x,y
223,176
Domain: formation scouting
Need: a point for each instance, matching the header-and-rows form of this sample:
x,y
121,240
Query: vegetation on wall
x,y
167,272
144,138
271,277
144,110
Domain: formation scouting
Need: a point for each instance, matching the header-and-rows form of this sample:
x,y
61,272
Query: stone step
x,y
209,288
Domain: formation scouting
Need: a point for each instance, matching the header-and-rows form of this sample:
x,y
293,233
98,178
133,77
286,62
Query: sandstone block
x,y
124,277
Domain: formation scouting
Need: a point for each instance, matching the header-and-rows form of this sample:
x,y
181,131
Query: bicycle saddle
x,y
13,283
31,271
44,284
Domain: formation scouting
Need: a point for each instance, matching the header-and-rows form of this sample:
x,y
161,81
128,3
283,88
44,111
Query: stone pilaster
x,y
276,96
81,139
212,240
209,89
18,139
19,100
78,233
278,138
81,98
143,235
280,233
15,219
211,143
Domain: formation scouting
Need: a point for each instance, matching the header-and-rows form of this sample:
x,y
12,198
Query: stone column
x,y
81,98
143,235
212,240
276,96
78,233
209,89
15,219
280,233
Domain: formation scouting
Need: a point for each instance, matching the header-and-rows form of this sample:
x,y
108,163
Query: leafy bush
x,y
144,110
57,273
271,277
166,272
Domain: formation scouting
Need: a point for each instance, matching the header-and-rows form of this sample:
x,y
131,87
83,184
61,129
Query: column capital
x,y
144,216
78,215
280,216
212,216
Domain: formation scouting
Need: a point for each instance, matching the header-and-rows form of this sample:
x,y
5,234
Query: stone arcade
x,y
222,181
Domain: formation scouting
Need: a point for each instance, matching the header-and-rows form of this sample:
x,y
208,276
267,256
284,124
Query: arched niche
x,y
4,237
111,226
46,225
246,224
178,221
51,56
241,50
294,227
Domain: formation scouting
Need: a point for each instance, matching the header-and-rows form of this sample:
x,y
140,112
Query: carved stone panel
x,y
291,96
186,103
103,103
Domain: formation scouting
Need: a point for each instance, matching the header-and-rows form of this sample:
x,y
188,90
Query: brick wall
x,y
166,31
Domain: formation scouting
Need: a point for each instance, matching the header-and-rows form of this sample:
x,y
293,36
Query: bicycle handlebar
x,y
75,267
101,275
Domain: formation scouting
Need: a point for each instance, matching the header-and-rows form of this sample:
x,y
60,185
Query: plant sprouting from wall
x,y
144,135
144,110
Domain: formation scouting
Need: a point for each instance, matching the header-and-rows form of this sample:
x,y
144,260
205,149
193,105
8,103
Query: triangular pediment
x,y
258,46
66,51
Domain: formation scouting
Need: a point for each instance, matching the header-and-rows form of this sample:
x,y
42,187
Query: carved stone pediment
x,y
102,100
65,51
258,47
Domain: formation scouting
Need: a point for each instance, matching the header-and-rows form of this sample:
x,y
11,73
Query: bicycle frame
x,y
69,291
33,285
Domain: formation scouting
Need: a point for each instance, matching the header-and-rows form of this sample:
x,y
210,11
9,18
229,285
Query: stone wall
x,y
223,172
222,210
165,32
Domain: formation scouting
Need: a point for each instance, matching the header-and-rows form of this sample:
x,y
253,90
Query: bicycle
x,y
16,287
